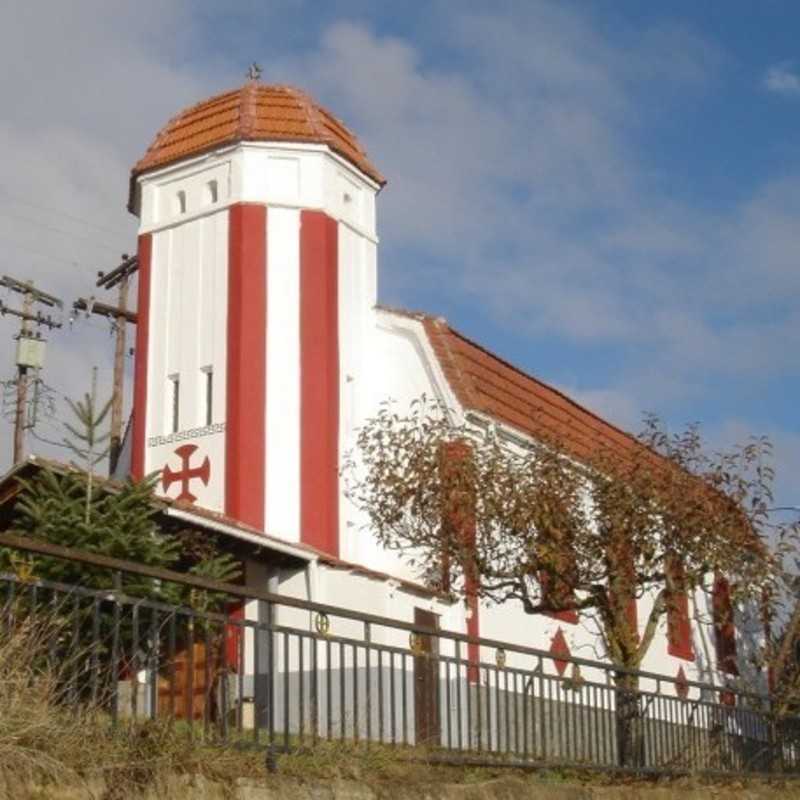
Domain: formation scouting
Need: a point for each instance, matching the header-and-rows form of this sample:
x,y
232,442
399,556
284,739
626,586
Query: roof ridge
x,y
550,387
464,379
247,110
467,382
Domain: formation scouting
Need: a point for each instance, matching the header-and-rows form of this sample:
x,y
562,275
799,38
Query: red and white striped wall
x,y
252,328
282,434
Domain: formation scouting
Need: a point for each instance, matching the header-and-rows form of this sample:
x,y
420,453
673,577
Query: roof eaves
x,y
439,331
543,384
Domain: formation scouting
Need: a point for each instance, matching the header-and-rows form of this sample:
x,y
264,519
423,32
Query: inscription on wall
x,y
190,433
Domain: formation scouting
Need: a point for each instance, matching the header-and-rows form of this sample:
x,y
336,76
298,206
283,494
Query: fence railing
x,y
234,663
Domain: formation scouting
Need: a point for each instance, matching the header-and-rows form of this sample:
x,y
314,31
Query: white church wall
x,y
289,174
356,371
396,372
657,658
282,490
509,623
187,340
351,590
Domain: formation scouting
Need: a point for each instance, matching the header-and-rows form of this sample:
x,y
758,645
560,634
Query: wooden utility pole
x,y
120,277
22,382
30,348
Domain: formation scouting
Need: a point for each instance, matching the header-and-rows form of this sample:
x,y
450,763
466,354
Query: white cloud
x,y
785,458
516,172
616,406
782,78
522,177
85,86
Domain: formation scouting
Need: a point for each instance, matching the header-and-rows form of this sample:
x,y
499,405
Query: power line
x,y
96,326
39,253
84,236
18,199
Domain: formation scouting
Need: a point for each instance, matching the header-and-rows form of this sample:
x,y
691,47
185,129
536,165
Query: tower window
x,y
180,202
208,372
175,384
211,191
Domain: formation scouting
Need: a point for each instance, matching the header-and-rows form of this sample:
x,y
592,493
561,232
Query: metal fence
x,y
231,663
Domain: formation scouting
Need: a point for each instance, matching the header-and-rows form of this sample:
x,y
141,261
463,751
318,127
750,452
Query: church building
x,y
261,348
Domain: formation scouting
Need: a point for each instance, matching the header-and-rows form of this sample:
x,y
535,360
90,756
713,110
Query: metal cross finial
x,y
254,72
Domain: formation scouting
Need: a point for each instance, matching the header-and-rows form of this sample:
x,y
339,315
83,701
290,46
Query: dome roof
x,y
254,112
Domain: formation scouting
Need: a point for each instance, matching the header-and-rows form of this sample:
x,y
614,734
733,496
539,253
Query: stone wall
x,y
189,788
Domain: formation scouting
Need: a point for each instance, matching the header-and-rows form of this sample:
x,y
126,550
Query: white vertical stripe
x,y
218,319
158,333
187,304
356,302
350,343
282,489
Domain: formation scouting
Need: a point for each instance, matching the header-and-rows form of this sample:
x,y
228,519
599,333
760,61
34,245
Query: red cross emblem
x,y
187,473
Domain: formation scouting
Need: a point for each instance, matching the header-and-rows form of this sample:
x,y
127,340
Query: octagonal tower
x,y
257,286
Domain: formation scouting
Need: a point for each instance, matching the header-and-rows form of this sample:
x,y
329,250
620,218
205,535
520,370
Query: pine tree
x,y
119,524
116,521
89,442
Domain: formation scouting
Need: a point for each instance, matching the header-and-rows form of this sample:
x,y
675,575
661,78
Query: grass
x,y
46,740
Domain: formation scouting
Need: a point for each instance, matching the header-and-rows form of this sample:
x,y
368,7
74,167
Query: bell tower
x,y
257,284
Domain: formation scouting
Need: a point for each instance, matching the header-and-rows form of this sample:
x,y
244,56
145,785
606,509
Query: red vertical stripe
x,y
460,520
473,623
233,637
139,432
319,382
246,369
679,626
724,628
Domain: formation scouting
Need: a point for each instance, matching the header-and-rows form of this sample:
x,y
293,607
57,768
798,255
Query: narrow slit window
x,y
211,191
209,388
176,402
180,202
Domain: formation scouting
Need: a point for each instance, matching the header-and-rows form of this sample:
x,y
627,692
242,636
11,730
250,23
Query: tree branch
x,y
656,612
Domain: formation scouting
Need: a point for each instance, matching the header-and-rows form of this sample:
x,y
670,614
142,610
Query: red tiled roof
x,y
484,382
254,112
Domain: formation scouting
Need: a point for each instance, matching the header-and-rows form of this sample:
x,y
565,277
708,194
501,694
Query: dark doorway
x,y
426,681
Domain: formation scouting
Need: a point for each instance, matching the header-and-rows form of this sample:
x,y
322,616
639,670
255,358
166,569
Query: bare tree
x,y
559,527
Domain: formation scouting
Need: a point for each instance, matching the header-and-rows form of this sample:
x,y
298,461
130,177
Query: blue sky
x,y
606,193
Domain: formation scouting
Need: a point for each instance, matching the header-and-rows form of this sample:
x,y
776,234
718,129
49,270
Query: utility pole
x,y
22,381
30,347
119,277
